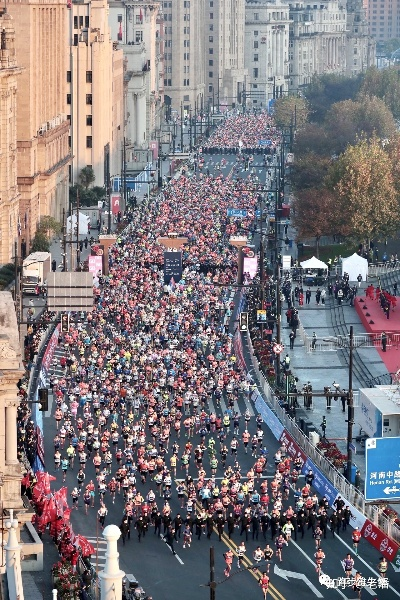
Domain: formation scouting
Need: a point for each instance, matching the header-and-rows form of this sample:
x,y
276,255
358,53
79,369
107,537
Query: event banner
x,y
268,416
292,448
172,266
379,540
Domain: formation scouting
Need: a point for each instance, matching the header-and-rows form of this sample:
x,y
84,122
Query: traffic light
x,y
65,323
244,321
43,399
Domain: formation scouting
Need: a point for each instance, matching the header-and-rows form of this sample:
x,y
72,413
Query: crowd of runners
x,y
147,410
248,129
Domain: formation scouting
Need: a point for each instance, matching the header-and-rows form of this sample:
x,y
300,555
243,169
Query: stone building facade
x,y
43,153
94,94
10,226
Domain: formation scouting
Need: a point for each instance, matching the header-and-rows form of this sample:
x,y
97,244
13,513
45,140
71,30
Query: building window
x,y
255,33
211,38
75,22
88,76
186,98
211,51
88,141
211,16
138,36
210,63
76,39
255,16
89,120
138,21
210,74
255,73
69,141
68,98
210,88
255,44
119,18
255,57
68,76
211,28
186,30
81,21
87,22
186,82
88,98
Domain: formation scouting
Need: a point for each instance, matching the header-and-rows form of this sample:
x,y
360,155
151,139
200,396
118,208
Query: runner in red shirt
x,y
264,583
356,539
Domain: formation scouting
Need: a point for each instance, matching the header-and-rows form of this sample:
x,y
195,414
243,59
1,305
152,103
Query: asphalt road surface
x,y
186,575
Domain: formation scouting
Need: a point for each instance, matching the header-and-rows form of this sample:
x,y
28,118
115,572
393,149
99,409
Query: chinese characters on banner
x,y
387,547
172,266
292,449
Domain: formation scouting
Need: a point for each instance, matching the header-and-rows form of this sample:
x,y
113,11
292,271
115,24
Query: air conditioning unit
x,y
314,437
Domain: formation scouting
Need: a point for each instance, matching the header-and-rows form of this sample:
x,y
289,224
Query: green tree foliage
x,y
49,224
87,177
325,90
313,138
40,242
385,84
348,121
87,197
363,184
291,111
314,214
309,171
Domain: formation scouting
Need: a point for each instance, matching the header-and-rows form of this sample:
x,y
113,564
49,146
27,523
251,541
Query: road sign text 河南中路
x,y
236,212
382,468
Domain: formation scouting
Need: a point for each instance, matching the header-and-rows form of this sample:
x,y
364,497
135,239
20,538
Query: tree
x,y
87,177
40,242
49,224
312,138
348,121
385,84
363,184
314,214
309,171
325,90
291,111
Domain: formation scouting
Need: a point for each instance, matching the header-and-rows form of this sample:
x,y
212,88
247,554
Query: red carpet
x,y
380,323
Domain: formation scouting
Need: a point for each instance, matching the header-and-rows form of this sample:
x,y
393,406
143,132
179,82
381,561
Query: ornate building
x,y
43,153
9,197
138,29
94,95
224,51
266,51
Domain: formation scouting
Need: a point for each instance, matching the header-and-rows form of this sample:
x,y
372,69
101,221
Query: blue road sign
x,y
236,212
264,142
258,214
382,468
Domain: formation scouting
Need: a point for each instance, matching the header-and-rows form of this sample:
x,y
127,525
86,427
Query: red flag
x,y
141,16
61,501
86,547
120,32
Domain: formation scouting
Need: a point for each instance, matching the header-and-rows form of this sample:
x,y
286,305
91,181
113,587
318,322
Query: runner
x,y
228,556
268,554
279,543
319,558
240,551
356,536
357,587
382,566
264,583
348,564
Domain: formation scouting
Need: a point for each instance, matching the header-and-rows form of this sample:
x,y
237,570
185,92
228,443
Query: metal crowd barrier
x,y
373,512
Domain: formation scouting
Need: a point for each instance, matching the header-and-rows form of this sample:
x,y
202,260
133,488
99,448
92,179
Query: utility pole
x,y
350,407
16,278
181,126
64,242
78,252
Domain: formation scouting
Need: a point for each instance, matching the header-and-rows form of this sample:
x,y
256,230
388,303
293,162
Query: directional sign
x,y
236,212
258,214
382,466
293,575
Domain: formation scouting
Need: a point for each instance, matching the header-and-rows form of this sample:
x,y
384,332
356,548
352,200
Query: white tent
x,y
83,224
313,263
355,265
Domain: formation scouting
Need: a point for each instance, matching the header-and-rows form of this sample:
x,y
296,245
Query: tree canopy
x,y
363,184
291,111
385,84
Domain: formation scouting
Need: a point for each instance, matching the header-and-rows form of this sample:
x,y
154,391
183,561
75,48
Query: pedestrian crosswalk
x,y
239,406
98,559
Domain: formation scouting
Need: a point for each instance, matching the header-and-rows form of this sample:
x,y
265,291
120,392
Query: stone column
x,y
11,433
13,561
111,577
